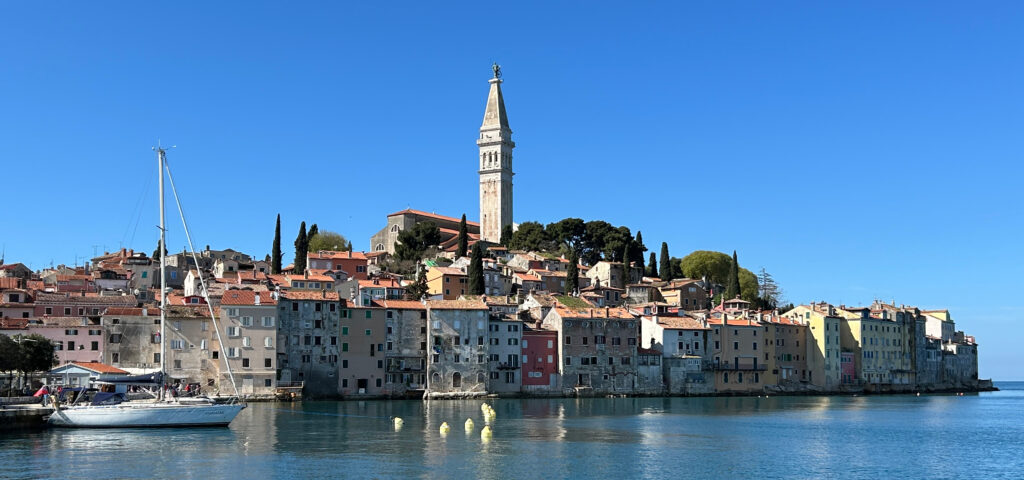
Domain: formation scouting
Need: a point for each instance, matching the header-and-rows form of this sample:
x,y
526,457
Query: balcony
x,y
506,366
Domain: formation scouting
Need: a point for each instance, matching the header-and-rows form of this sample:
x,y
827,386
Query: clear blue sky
x,y
855,151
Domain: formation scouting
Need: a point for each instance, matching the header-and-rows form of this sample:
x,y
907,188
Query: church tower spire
x,y
496,146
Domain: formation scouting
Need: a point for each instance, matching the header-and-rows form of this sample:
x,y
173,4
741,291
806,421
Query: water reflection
x,y
557,438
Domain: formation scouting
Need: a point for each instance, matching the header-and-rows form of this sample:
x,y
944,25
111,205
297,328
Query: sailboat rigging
x,y
163,412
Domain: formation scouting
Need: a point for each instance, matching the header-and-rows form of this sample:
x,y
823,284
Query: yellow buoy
x,y
445,428
484,407
469,424
398,423
486,433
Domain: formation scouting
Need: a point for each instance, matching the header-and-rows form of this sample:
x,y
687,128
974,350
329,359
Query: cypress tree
x,y
572,274
732,288
652,266
666,264
476,271
275,256
313,230
506,235
627,278
349,245
463,240
301,244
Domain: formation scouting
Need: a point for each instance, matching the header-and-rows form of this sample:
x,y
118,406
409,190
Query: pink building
x,y
848,369
76,339
540,360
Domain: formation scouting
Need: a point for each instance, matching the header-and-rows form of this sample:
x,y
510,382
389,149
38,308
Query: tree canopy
x,y
412,243
713,266
530,236
301,248
327,240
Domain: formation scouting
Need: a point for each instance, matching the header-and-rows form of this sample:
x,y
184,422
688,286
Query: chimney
x,y
607,310
323,293
350,254
256,299
145,312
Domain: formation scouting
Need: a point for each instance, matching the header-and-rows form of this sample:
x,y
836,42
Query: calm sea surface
x,y
933,436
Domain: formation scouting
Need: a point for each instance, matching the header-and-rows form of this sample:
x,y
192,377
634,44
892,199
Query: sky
x,y
857,152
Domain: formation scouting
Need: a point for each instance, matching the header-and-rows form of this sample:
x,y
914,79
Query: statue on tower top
x,y
497,70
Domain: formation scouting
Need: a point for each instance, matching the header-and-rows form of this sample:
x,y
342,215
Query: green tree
x,y
476,271
530,237
769,293
616,242
327,240
732,285
463,238
275,256
569,233
35,353
506,236
748,286
637,250
349,248
706,264
414,242
312,232
597,232
652,266
419,288
666,266
9,354
156,251
572,274
301,248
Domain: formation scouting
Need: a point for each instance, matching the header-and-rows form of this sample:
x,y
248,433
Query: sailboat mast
x,y
163,266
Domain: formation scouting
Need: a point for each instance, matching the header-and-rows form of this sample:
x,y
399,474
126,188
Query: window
x,y
735,345
368,331
568,360
755,345
268,342
234,331
268,321
369,314
115,338
344,347
246,342
94,346
334,340
177,364
177,344
344,363
625,360
245,363
568,340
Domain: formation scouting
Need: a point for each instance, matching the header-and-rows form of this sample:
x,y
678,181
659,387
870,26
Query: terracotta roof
x,y
332,254
312,277
432,215
681,323
331,296
647,351
447,271
589,313
382,282
456,305
130,311
246,297
527,277
100,367
734,322
404,304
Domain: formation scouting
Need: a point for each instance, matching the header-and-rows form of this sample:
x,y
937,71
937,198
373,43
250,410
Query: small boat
x,y
98,409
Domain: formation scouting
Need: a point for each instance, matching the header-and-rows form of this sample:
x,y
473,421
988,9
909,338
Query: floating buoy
x,y
469,424
486,433
484,407
445,428
398,423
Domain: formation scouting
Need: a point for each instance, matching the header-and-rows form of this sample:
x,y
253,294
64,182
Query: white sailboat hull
x,y
145,415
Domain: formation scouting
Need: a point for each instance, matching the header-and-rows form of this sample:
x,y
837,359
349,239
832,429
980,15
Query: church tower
x,y
496,146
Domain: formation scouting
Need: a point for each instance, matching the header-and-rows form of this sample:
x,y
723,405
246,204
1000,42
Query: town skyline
x,y
938,219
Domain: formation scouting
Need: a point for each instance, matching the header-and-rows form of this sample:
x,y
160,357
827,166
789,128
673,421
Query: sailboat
x,y
107,411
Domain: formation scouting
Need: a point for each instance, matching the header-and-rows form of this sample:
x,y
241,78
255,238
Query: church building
x,y
495,169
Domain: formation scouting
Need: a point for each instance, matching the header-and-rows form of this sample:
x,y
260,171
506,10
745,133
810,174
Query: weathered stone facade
x,y
457,356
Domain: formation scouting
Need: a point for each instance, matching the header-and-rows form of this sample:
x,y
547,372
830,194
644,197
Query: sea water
x,y
892,436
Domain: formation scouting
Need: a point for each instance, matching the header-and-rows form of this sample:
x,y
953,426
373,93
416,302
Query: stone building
x,y
598,349
496,146
307,339
385,239
249,320
458,347
406,346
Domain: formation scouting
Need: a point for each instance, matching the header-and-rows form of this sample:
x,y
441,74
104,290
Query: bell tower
x,y
496,146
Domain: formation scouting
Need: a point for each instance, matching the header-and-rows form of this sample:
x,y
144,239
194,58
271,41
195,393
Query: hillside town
x,y
444,307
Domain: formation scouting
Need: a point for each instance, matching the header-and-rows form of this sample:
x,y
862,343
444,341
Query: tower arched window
x,y
395,229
